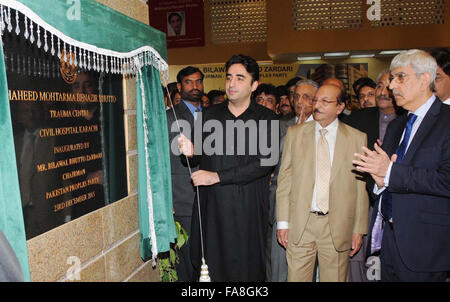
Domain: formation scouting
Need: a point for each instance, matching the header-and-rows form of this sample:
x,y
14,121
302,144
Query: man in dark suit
x,y
190,85
412,175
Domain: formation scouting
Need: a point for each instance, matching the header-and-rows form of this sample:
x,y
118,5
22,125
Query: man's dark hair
x,y
172,95
442,57
173,15
282,90
213,94
292,82
267,89
362,82
249,63
187,71
342,97
172,86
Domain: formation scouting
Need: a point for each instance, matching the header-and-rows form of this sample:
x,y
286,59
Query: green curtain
x,y
11,217
158,157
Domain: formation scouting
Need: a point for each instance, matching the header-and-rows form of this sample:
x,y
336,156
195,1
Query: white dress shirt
x,y
331,139
447,101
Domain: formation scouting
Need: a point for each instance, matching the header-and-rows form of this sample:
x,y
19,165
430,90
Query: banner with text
x,y
276,74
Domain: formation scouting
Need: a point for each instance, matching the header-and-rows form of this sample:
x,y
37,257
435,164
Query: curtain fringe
x,y
75,53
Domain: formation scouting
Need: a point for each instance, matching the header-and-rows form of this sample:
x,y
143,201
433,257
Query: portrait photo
x,y
176,24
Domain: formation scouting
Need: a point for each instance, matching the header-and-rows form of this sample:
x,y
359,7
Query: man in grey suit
x,y
190,86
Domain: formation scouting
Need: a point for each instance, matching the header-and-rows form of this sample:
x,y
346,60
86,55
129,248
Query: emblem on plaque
x,y
67,68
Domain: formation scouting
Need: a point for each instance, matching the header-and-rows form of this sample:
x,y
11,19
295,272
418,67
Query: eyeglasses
x,y
323,102
304,96
399,78
362,96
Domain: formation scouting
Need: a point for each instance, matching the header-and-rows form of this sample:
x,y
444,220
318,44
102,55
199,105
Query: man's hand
x,y
380,180
204,178
282,236
356,244
301,117
185,146
376,163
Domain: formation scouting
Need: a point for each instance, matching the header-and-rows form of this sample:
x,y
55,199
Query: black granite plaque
x,y
68,134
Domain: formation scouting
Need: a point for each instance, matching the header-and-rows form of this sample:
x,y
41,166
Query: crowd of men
x,y
351,189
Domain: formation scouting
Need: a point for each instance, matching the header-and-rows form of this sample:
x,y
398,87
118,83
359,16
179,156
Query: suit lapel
x,y
424,128
396,136
339,150
309,147
185,113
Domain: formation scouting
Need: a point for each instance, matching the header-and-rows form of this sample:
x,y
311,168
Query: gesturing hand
x,y
376,163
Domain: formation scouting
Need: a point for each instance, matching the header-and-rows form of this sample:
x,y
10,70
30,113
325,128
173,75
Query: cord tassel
x,y
204,274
